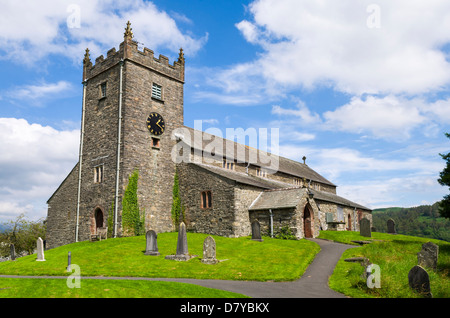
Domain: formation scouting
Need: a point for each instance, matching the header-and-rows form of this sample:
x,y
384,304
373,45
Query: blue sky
x,y
361,88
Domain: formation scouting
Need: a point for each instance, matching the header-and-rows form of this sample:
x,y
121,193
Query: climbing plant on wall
x,y
176,201
132,220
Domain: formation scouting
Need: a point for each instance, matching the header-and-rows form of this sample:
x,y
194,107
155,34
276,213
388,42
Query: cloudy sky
x,y
361,88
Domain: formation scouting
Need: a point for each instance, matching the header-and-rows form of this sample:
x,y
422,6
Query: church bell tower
x,y
132,102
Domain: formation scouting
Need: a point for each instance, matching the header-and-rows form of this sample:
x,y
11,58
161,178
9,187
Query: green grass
x,y
242,259
93,288
396,255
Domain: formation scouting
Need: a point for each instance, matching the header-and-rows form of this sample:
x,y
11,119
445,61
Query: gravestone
x,y
256,231
12,251
391,226
209,251
152,246
420,281
69,262
182,246
40,250
428,256
364,228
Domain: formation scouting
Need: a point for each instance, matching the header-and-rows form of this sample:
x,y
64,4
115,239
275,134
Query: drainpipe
x,y
271,223
119,132
80,160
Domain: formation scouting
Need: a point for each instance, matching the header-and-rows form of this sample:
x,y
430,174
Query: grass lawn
x,y
243,259
93,288
396,255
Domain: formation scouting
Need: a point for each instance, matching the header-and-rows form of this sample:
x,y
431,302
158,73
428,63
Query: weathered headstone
x,y
182,246
209,251
256,231
364,228
428,256
420,281
391,226
40,250
152,245
12,251
69,262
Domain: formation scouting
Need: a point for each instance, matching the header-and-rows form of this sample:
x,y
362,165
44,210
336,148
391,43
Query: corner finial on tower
x,y
181,56
87,58
128,33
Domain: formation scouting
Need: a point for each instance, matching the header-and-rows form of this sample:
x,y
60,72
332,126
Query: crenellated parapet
x,y
128,50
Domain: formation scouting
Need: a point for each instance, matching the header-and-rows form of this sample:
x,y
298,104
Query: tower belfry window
x,y
157,91
98,174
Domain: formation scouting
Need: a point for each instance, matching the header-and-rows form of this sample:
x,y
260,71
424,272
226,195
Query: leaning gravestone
x,y
40,250
391,226
12,251
152,246
364,228
209,251
428,256
182,247
256,231
420,281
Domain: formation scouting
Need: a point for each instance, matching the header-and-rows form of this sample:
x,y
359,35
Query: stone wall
x,y
220,218
61,215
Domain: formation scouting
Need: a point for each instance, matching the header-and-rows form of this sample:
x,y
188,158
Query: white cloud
x,y
387,117
301,111
35,94
31,30
34,159
330,43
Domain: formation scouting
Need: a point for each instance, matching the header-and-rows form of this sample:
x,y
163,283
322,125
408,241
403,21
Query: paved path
x,y
313,283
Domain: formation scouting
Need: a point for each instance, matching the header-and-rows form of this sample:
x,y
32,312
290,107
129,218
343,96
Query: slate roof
x,y
249,155
276,194
289,198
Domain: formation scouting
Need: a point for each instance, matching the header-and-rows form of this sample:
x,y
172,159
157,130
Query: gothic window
x,y
98,174
206,199
157,91
297,181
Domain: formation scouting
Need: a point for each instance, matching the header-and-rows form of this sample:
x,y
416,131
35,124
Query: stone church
x,y
132,118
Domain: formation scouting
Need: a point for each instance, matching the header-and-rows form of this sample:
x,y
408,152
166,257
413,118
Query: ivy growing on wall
x,y
176,201
132,219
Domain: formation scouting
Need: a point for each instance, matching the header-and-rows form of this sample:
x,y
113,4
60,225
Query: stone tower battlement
x,y
128,50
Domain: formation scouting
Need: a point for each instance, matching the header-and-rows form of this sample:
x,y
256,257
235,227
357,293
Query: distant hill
x,y
423,221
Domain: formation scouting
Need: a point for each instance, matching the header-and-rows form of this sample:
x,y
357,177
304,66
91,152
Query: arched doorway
x,y
307,221
98,217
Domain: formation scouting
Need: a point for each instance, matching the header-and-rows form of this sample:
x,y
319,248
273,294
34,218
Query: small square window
x,y
103,90
156,91
98,174
155,142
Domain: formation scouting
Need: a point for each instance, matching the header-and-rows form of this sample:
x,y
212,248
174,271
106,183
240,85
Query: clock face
x,y
156,124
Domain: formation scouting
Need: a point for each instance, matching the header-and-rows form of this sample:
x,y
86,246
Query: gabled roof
x,y
289,198
278,199
244,154
276,194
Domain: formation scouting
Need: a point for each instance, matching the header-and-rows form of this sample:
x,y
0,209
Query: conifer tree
x,y
444,205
